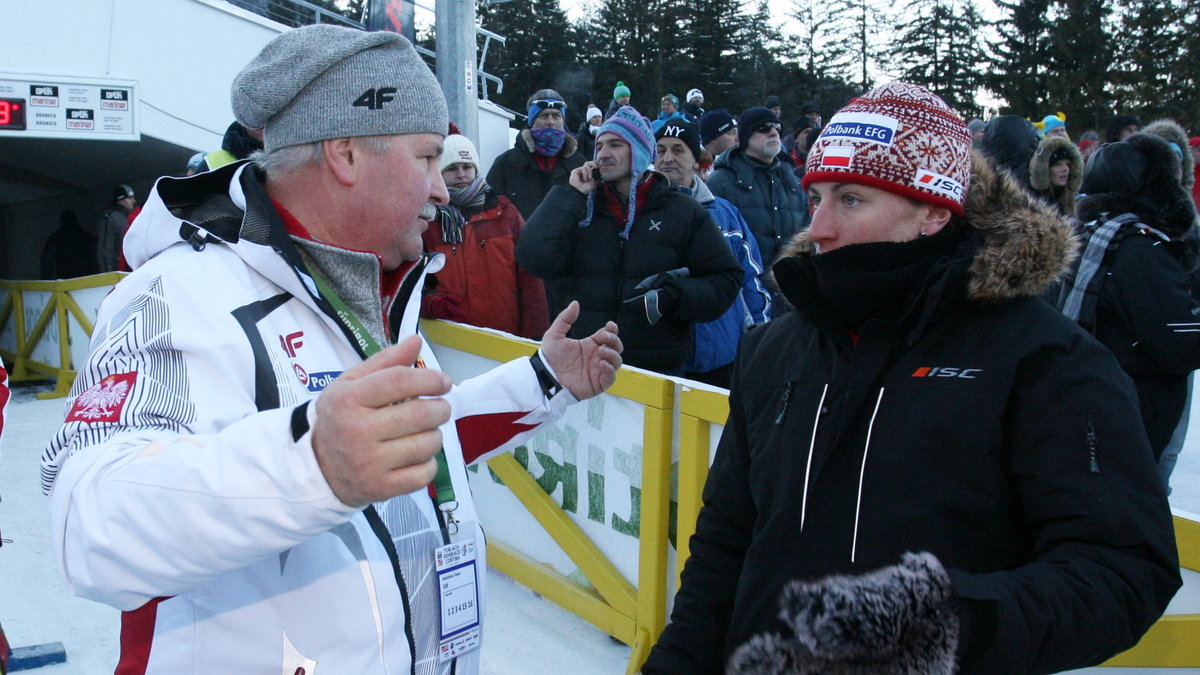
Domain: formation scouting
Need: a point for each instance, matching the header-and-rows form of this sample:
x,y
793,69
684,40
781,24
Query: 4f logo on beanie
x,y
373,99
938,183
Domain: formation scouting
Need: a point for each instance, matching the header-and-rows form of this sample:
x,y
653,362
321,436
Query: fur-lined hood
x,y
1039,171
1157,196
1024,245
1171,132
570,145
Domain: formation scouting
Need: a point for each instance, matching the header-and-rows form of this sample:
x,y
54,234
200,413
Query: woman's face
x,y
1060,172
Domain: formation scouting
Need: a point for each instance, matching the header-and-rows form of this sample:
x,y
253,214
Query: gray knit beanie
x,y
321,82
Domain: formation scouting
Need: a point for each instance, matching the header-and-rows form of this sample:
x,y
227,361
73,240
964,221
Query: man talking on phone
x,y
632,249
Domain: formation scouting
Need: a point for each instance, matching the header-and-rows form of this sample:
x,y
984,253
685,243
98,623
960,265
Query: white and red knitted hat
x,y
898,137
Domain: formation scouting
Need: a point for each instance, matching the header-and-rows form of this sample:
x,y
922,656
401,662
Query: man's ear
x,y
342,156
934,219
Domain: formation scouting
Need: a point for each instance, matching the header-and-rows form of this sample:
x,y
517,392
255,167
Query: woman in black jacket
x,y
926,467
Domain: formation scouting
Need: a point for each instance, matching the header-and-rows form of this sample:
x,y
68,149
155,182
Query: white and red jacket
x,y
184,489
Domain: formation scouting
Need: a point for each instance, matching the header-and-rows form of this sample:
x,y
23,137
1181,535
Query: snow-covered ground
x,y
523,634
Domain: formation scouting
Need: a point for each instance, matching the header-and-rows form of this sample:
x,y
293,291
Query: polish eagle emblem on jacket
x,y
102,402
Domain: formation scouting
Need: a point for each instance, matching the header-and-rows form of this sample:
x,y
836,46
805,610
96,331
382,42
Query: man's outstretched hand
x,y
585,367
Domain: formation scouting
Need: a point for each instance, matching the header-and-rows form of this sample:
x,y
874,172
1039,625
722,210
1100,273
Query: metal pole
x,y
456,59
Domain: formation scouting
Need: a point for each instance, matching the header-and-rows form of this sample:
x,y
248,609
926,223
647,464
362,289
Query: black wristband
x,y
300,421
550,386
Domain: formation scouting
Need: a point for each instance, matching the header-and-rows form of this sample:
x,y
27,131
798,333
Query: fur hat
x,y
1139,175
1010,141
321,82
901,138
714,123
458,149
1170,131
753,118
684,131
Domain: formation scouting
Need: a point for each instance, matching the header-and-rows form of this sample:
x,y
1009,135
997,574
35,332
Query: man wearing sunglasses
x,y
760,183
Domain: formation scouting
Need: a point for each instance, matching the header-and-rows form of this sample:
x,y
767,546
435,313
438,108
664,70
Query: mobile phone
x,y
595,174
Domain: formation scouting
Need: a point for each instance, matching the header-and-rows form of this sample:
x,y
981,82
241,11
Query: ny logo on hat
x,y
373,99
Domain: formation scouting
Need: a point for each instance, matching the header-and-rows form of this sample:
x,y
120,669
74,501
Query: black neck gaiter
x,y
876,280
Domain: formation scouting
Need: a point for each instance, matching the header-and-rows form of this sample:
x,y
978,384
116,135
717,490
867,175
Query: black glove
x,y
658,299
661,279
896,620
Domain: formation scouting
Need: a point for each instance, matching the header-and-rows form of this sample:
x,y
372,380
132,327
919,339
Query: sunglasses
x,y
550,103
766,127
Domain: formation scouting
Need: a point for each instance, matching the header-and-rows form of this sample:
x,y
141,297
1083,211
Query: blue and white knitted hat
x,y
629,124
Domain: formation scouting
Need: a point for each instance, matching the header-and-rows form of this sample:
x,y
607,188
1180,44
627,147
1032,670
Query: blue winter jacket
x,y
715,342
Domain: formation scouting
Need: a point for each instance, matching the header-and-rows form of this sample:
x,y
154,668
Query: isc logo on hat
x,y
938,183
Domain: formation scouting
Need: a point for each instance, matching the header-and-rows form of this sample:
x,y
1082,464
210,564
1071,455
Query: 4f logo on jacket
x,y
943,371
373,99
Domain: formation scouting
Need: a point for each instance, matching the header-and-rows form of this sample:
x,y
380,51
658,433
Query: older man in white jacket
x,y
245,469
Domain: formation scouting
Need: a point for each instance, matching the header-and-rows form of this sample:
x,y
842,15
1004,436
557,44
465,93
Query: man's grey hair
x,y
281,161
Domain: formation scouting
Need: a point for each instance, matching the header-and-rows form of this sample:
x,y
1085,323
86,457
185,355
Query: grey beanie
x,y
321,82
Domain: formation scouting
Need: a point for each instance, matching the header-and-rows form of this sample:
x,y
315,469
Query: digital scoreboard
x,y
12,114
64,107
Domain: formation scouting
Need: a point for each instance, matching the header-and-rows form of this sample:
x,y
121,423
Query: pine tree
x,y
761,47
826,33
1022,53
938,47
537,37
1151,37
706,36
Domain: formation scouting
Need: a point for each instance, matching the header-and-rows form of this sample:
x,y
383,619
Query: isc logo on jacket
x,y
944,371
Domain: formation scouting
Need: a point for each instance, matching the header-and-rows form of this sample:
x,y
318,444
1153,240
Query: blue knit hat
x,y
631,127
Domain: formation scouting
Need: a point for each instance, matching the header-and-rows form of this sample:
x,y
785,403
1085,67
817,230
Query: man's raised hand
x,y
585,367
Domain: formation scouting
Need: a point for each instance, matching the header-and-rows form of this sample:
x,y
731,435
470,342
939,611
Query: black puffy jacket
x,y
984,428
517,175
600,269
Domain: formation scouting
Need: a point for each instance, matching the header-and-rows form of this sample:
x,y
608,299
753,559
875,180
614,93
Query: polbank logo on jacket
x,y
315,382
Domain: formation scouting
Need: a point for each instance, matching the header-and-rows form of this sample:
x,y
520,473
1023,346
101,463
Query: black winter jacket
x,y
984,428
516,174
600,269
769,197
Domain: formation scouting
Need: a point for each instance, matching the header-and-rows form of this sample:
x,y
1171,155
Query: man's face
x,y
613,158
1127,132
1058,131
459,174
128,203
668,106
1060,172
764,142
696,101
723,142
623,100
548,119
849,213
595,120
778,110
394,188
676,160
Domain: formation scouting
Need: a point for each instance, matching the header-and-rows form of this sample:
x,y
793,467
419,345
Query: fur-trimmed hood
x,y
1024,246
1143,176
1039,171
1171,132
525,142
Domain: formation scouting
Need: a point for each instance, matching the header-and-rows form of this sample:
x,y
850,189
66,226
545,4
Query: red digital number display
x,y
12,114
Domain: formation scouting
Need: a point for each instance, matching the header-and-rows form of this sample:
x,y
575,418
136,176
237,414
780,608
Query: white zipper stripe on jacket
x,y
812,443
861,473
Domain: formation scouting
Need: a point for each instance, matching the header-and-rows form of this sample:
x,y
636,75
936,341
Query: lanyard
x,y
443,486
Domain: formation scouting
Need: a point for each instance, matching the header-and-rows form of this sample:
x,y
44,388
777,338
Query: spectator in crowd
x,y
1087,146
692,106
975,127
111,229
1121,127
762,187
70,251
620,98
920,349
1134,287
586,137
670,111
245,470
1053,125
773,104
1170,131
1010,141
1056,171
718,131
811,114
480,282
237,143
714,343
1194,147
799,152
631,249
543,156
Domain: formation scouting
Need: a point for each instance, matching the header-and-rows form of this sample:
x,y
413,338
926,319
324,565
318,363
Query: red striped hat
x,y
898,137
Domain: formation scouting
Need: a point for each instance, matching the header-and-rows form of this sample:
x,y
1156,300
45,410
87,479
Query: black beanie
x,y
684,131
714,123
751,119
1118,123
